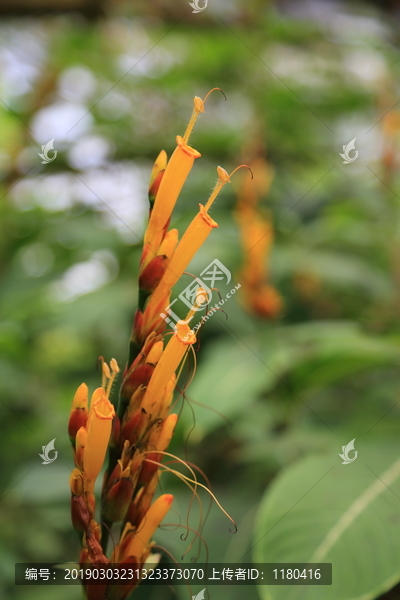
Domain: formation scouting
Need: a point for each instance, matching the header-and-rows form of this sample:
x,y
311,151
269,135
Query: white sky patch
x,y
300,66
88,152
115,104
118,191
56,120
86,277
344,26
77,84
369,67
154,64
22,55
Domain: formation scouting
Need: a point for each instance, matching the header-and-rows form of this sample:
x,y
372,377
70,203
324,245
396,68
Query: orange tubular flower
x,y
257,238
99,426
98,435
139,544
257,234
166,433
168,397
173,179
193,238
195,235
166,367
176,173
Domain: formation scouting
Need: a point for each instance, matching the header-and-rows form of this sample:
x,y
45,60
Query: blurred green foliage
x,y
113,93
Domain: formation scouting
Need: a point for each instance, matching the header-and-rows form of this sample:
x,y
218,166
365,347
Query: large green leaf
x,y
320,510
227,382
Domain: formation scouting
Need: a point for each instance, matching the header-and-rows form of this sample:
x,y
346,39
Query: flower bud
x,y
80,444
135,377
153,189
169,243
76,482
152,273
155,353
163,437
79,412
138,545
138,325
81,398
141,504
135,426
130,405
115,432
117,498
157,175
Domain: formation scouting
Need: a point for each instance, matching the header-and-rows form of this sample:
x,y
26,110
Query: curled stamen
x,y
241,167
198,108
190,483
213,90
223,179
184,537
195,482
196,468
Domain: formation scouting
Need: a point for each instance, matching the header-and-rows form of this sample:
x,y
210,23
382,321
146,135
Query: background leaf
x,y
349,515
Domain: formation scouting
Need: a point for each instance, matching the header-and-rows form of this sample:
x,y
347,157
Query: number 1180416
x,y
297,573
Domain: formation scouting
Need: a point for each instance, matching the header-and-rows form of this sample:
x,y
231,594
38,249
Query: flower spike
x,y
136,428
